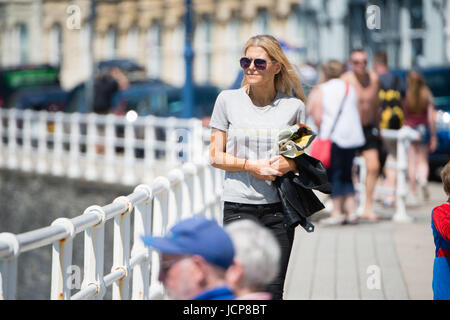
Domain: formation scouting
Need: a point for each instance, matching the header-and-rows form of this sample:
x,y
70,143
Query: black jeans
x,y
270,216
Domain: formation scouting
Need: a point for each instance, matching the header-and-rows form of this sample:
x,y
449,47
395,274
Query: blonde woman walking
x,y
245,123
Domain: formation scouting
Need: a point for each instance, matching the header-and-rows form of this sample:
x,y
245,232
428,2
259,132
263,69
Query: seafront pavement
x,y
385,260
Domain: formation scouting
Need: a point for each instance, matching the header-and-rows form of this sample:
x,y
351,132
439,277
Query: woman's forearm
x,y
225,161
431,121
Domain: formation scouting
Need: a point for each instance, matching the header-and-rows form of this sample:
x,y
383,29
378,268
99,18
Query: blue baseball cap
x,y
196,235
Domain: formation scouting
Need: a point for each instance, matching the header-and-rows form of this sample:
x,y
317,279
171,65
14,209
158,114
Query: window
x,y
234,48
417,21
312,37
19,46
208,47
55,45
24,42
203,49
177,62
86,52
154,43
111,43
261,23
296,34
417,26
387,38
132,42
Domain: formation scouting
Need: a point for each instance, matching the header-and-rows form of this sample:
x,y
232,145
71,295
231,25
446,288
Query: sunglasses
x,y
359,61
260,64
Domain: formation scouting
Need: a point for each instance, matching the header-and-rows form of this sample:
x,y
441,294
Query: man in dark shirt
x,y
392,90
105,87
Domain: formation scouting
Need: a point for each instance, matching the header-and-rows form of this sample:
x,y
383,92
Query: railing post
x,y
214,186
12,136
196,143
402,167
26,141
172,144
161,205
74,162
57,167
142,226
94,253
194,184
91,152
159,225
203,185
217,187
182,138
62,262
110,135
175,210
189,171
8,267
129,177
121,256
42,164
208,187
149,151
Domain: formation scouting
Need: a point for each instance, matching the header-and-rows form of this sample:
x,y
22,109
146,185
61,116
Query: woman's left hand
x,y
282,164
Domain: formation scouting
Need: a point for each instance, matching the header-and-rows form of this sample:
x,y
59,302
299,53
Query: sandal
x,y
352,218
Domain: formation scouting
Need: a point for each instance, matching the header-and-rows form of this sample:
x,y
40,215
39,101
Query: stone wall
x,y
30,201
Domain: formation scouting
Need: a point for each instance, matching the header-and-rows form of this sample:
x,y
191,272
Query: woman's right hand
x,y
261,169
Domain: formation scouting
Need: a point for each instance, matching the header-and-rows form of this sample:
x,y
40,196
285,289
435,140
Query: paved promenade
x,y
377,261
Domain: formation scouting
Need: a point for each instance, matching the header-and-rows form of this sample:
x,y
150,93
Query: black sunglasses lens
x,y
245,62
260,64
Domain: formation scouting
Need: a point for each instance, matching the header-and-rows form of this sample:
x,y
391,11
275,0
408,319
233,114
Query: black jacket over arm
x,y
297,198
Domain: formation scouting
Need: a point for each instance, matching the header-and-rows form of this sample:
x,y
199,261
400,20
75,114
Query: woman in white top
x,y
343,127
245,123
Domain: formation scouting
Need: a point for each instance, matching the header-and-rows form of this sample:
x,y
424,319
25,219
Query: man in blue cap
x,y
195,254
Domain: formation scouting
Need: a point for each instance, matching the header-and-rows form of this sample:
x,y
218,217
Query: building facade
x,y
151,32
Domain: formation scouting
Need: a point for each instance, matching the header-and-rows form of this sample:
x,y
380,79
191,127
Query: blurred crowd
x,y
350,104
200,260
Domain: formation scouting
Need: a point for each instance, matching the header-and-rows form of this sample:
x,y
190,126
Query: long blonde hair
x,y
287,79
418,93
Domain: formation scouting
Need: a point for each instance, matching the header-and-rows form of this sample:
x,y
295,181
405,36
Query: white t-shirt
x,y
252,133
348,132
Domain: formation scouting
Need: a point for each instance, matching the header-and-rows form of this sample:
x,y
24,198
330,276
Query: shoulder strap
x,y
347,87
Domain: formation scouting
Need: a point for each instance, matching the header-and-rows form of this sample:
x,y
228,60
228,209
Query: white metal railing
x,y
96,147
191,189
403,138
